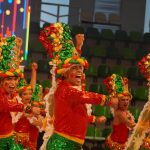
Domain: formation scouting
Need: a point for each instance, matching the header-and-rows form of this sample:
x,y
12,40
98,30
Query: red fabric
x,y
120,133
22,126
6,107
70,111
33,137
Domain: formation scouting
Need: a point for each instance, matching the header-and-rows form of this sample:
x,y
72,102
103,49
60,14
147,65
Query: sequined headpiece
x,y
58,43
117,85
10,56
144,66
22,86
37,99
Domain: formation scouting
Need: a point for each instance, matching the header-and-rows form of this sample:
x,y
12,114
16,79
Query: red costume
x,y
6,106
119,133
118,137
118,87
70,105
27,133
70,112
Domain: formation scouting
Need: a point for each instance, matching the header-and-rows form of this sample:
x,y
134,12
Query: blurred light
x,y
7,12
10,1
18,2
21,9
0,11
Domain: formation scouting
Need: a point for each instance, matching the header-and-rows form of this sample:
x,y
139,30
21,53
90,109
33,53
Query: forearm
x,y
94,98
33,79
15,107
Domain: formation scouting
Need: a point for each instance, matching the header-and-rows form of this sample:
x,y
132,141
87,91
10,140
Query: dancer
x,y
9,76
70,114
123,120
28,125
141,129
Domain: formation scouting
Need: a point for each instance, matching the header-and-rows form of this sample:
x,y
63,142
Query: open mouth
x,y
78,76
11,87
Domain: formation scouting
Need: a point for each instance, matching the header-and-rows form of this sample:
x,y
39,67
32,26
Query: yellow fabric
x,y
6,135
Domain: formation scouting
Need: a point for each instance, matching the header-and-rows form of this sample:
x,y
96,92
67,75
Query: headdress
x,y
144,66
10,56
22,86
36,99
58,43
117,85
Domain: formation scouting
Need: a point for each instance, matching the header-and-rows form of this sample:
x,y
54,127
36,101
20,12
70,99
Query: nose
x,y
126,101
14,81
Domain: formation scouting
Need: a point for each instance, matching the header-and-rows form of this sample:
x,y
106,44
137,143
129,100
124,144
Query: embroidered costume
x,y
27,133
117,139
70,114
118,87
138,137
9,68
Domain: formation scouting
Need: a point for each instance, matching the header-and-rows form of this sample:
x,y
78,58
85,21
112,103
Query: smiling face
x,y
9,84
74,75
26,96
124,102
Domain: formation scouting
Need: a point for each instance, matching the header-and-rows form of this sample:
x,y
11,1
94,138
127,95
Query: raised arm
x,y
33,75
9,106
79,42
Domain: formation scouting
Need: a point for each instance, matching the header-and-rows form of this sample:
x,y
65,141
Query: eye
x,y
15,78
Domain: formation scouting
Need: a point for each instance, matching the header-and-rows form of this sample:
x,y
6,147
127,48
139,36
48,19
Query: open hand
x,y
101,119
36,110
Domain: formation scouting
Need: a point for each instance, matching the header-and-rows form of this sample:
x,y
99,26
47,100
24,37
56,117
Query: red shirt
x,y
70,111
6,107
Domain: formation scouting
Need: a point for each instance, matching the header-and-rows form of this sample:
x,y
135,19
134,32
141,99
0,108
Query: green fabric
x,y
57,142
9,144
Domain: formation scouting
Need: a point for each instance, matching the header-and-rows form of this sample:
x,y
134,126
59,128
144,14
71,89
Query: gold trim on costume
x,y
146,143
6,135
77,140
114,145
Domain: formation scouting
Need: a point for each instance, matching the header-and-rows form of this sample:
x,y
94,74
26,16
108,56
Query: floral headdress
x,y
58,43
22,86
117,85
10,56
36,99
144,66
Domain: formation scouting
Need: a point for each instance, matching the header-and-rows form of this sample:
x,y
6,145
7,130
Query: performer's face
x,y
9,84
124,102
74,75
26,96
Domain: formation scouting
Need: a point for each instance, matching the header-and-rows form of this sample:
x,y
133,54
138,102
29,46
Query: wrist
x,y
98,119
27,109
